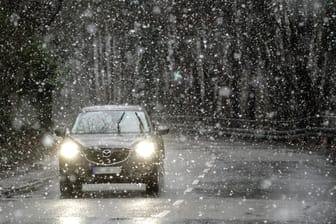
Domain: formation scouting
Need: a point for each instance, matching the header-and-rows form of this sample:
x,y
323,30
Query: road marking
x,y
213,157
188,190
178,203
195,182
162,214
332,189
209,164
201,176
206,170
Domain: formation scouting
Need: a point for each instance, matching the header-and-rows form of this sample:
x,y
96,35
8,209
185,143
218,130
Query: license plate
x,y
106,170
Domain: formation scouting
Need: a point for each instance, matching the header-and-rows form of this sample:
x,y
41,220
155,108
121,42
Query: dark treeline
x,y
28,70
246,59
239,59
28,75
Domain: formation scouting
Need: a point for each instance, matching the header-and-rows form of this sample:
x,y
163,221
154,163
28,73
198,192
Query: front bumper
x,y
132,170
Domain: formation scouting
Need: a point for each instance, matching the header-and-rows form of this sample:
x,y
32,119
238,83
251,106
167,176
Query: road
x,y
205,182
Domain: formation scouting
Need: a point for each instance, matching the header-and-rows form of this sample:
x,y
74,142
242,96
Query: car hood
x,y
108,140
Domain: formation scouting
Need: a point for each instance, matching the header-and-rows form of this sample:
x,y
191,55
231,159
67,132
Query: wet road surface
x,y
205,182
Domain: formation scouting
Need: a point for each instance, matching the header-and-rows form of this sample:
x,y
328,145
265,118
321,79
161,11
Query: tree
x,y
275,58
27,69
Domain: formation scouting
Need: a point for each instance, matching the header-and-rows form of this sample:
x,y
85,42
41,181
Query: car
x,y
111,144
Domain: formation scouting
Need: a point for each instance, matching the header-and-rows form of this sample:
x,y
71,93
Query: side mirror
x,y
60,132
162,130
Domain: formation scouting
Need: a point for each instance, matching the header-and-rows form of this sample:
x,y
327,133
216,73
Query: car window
x,y
108,122
134,122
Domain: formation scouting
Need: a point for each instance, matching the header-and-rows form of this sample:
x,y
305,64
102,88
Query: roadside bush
x,y
21,147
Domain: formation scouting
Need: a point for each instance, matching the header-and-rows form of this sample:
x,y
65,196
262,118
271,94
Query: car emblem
x,y
106,153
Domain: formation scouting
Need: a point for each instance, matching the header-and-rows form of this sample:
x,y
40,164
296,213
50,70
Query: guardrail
x,y
322,126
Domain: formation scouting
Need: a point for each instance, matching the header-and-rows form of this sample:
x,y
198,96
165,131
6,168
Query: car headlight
x,y
145,149
69,150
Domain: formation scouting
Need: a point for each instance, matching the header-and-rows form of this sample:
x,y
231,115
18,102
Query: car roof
x,y
113,107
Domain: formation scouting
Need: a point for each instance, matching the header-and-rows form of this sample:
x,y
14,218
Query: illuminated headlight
x,y
69,150
145,149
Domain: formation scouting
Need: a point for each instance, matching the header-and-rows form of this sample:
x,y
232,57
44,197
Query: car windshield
x,y
95,122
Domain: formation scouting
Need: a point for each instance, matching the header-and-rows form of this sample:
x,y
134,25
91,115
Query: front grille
x,y
106,155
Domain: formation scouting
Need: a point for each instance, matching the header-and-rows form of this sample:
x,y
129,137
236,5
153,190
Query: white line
x,y
195,182
209,164
188,190
206,170
162,214
213,158
332,189
201,176
178,203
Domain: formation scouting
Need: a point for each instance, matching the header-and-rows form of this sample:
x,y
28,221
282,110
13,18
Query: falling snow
x,y
242,92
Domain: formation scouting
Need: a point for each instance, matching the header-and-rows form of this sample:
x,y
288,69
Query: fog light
x,y
72,178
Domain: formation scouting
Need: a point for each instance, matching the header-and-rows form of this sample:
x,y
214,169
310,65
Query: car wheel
x,y
155,181
152,187
69,189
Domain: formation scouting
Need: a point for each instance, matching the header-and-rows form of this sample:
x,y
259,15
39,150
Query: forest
x,y
234,59
270,62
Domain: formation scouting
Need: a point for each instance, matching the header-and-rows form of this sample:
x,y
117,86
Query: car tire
x,y
152,187
65,188
155,182
69,189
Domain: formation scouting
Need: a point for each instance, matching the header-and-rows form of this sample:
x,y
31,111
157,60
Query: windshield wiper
x,y
120,119
140,122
